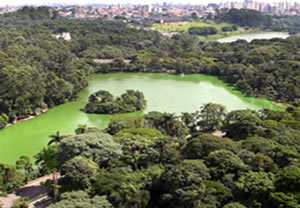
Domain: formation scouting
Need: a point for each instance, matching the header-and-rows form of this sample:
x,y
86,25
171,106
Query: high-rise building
x,y
249,1
249,4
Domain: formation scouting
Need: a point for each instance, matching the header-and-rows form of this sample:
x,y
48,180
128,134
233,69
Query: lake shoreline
x,y
165,93
27,118
261,35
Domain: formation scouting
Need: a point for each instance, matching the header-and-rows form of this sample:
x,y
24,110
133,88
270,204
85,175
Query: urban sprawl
x,y
167,10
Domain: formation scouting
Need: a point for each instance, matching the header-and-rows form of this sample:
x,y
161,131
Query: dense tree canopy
x,y
103,102
81,199
97,146
38,71
143,167
158,159
245,17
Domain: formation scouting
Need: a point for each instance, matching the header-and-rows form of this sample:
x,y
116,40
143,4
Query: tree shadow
x,y
32,192
43,203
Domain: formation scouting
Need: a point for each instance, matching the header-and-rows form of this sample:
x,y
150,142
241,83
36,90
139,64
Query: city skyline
x,y
81,2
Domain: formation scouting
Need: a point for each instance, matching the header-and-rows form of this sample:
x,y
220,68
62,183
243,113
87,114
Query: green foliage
x,y
286,23
80,172
145,136
3,120
218,190
256,184
167,123
200,146
10,178
56,138
118,123
143,167
229,28
288,180
81,199
21,203
222,162
183,184
25,163
258,145
210,117
138,146
283,200
99,147
203,31
81,129
240,124
104,102
246,17
234,205
46,159
125,190
262,162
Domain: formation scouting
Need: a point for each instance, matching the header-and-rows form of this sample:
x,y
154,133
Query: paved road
x,y
31,190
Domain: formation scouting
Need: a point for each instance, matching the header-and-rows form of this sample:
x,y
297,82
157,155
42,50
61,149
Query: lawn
x,y
184,26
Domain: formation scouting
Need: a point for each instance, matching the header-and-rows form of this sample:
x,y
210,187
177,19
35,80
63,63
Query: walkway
x,y
32,190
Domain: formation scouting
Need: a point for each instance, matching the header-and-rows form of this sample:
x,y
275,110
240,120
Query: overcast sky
x,y
49,2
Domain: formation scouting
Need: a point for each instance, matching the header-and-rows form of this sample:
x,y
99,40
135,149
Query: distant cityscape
x,y
278,8
166,10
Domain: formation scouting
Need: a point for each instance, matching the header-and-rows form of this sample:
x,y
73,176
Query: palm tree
x,y
55,138
46,160
169,123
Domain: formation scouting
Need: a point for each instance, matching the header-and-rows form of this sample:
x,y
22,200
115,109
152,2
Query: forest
x,y
163,160
245,17
39,71
158,159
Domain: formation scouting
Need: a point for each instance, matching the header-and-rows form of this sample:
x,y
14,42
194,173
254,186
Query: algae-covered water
x,y
164,92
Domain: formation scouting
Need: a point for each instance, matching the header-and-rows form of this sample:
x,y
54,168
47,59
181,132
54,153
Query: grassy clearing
x,y
184,26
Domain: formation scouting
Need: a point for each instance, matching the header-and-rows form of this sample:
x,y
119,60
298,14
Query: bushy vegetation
x,y
39,71
290,24
255,165
105,103
203,31
143,167
158,159
245,17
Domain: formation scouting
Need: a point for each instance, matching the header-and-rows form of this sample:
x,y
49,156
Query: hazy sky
x,y
47,2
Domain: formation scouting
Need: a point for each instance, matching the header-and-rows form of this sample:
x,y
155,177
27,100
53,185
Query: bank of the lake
x,y
254,35
164,92
223,35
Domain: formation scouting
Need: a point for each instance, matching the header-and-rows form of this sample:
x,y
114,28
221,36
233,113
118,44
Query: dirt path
x,y
31,190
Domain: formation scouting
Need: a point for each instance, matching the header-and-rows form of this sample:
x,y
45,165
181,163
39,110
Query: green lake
x,y
164,92
254,35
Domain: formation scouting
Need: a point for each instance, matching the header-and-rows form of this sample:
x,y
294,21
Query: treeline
x,y
262,68
255,19
203,31
245,18
164,160
290,24
36,72
39,71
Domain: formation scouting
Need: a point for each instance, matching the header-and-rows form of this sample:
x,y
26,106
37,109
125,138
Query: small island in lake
x,y
103,102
